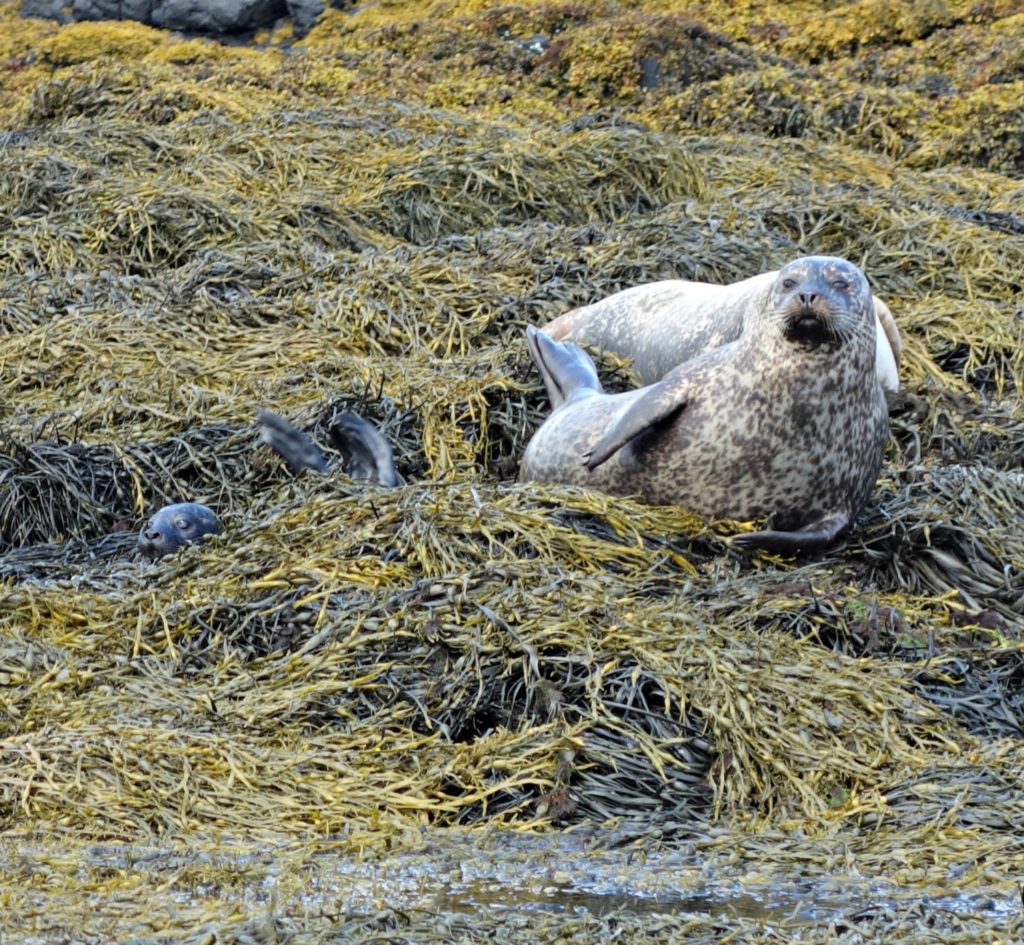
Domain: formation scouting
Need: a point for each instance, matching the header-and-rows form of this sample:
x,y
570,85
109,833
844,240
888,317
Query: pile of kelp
x,y
367,222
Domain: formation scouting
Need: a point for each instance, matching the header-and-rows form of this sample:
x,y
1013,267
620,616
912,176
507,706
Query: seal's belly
x,y
792,462
792,466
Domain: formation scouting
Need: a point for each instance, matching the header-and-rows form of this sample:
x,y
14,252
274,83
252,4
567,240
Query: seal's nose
x,y
150,539
808,298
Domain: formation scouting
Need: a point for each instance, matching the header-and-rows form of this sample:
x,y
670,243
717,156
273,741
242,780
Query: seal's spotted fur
x,y
788,421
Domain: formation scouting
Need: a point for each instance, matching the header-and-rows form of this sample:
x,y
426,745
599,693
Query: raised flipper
x,y
294,446
564,366
885,323
659,402
813,537
365,454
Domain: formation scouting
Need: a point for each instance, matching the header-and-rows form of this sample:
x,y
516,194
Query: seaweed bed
x,y
350,676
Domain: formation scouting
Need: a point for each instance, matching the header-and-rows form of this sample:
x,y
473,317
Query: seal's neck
x,y
770,334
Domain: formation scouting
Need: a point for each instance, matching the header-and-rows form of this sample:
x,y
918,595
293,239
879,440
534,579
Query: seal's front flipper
x,y
659,403
813,537
888,347
565,367
294,446
364,452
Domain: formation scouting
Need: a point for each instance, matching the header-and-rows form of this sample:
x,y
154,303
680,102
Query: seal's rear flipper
x,y
813,537
365,453
294,446
565,367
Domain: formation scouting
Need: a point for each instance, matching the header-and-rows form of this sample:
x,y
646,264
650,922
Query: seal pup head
x,y
823,301
177,525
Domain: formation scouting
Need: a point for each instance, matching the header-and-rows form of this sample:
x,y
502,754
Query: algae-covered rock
x,y
850,27
82,42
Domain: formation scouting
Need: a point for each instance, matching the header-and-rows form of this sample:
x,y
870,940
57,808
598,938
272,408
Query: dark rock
x,y
304,14
219,17
47,10
535,44
650,72
140,10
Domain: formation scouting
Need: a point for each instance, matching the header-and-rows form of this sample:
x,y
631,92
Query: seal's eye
x,y
788,283
840,284
183,524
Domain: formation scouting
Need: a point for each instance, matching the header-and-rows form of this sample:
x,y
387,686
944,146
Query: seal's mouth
x,y
809,328
153,545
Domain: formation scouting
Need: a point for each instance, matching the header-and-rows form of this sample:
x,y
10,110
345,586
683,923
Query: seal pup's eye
x,y
183,524
840,284
788,283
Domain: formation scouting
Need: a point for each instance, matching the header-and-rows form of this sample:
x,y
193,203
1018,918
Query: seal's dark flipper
x,y
658,403
811,538
565,367
364,452
294,446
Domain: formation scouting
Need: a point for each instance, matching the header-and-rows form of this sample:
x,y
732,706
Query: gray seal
x,y
662,324
176,525
786,422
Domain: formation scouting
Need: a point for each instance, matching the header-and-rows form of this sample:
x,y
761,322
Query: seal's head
x,y
177,525
823,300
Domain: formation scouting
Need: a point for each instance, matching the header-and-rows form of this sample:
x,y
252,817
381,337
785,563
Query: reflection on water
x,y
779,905
482,896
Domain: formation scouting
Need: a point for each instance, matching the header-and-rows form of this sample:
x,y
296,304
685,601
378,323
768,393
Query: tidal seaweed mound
x,y
57,490
574,177
961,542
541,664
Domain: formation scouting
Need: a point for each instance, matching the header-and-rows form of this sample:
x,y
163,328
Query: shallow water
x,y
576,873
500,871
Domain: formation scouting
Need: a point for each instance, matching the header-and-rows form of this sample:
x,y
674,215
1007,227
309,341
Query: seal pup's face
x,y
176,525
822,300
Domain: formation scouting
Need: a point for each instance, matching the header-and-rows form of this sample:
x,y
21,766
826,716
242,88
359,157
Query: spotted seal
x,y
365,454
662,324
786,422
